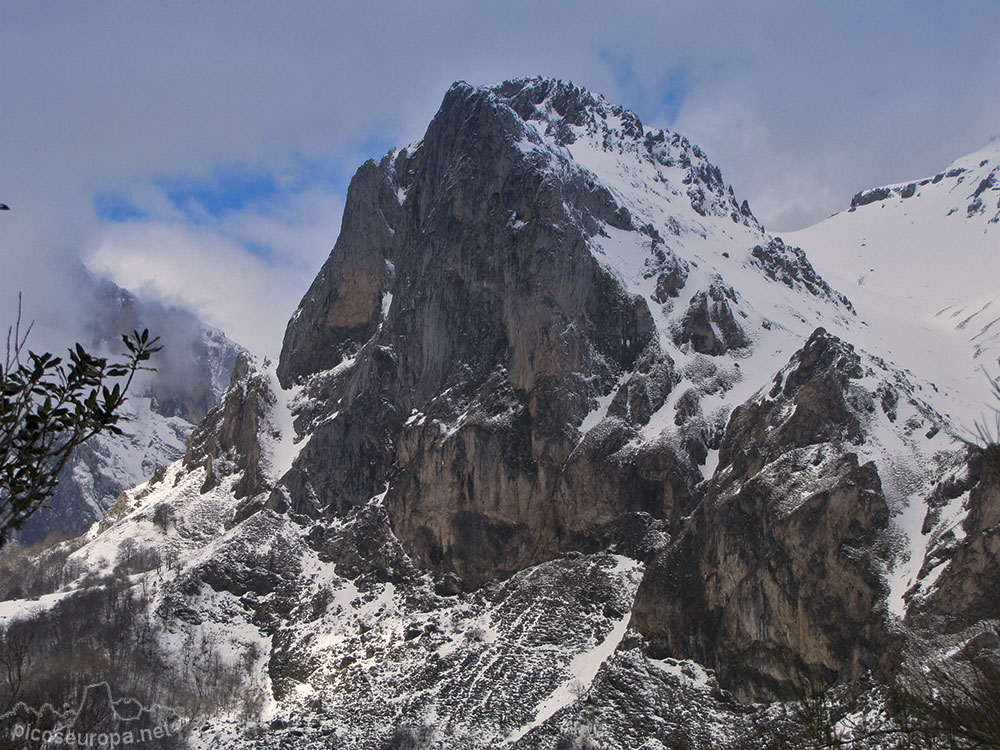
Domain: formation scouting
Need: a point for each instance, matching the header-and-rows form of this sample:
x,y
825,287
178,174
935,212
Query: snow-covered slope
x,y
921,261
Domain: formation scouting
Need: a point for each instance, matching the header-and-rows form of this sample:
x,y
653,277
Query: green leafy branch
x,y
51,405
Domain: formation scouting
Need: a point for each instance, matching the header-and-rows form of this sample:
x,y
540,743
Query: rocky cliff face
x,y
957,585
463,328
529,339
776,577
230,439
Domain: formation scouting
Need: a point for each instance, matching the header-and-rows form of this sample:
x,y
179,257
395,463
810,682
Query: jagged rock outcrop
x,y
967,588
709,325
465,326
229,439
364,551
788,265
776,578
982,199
810,401
671,273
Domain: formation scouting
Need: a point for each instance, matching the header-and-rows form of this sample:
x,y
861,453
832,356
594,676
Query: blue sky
x,y
199,152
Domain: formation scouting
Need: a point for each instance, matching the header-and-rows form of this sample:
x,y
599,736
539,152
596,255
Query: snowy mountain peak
x,y
969,187
919,260
563,105
611,142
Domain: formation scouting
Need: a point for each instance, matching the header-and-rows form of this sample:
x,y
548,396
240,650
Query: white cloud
x,y
209,270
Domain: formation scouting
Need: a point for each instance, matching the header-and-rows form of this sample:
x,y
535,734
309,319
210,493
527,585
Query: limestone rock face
x,y
229,439
709,325
967,590
459,334
343,305
776,577
788,265
810,401
517,351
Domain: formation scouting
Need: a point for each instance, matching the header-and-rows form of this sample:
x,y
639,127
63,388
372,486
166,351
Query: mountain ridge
x,y
562,447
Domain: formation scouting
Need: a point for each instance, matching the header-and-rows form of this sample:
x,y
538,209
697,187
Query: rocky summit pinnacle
x,y
487,145
468,321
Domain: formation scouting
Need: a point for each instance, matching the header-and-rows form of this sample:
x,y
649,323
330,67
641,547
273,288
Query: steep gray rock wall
x,y
776,579
468,325
464,392
967,591
229,439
